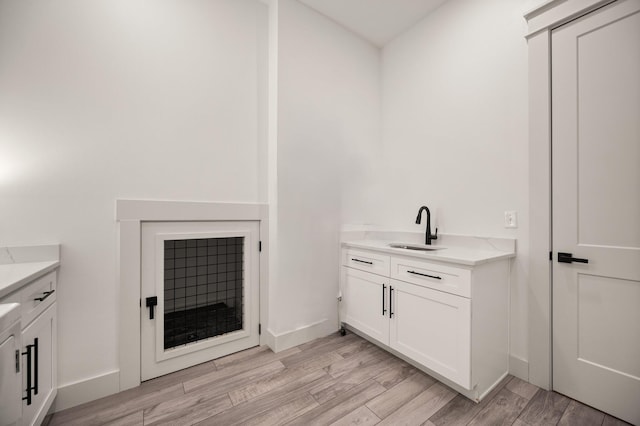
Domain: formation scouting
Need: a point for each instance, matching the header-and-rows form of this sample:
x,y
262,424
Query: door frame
x,y
130,214
541,21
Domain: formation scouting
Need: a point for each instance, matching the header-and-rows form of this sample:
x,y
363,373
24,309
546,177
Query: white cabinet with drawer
x,y
451,320
33,286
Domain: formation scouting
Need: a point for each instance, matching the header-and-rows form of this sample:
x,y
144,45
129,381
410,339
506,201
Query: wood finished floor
x,y
330,381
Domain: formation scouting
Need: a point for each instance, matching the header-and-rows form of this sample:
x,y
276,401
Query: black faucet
x,y
428,237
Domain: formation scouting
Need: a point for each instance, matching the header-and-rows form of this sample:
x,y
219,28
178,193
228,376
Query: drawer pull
x,y
361,261
425,275
46,294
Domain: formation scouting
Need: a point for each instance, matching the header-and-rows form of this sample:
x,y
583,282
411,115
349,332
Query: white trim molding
x,y
541,21
553,13
289,339
73,394
130,214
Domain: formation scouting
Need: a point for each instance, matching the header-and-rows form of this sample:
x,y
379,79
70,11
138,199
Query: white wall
x,y
454,90
328,117
120,99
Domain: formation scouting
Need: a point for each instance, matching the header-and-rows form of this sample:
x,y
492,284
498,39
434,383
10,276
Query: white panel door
x,y
10,381
200,293
433,328
365,303
40,376
596,209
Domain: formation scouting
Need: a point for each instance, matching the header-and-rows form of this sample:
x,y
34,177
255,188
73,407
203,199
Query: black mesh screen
x,y
203,291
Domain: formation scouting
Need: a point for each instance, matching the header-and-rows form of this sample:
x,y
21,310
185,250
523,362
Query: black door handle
x,y
390,302
35,366
29,388
568,258
384,311
151,302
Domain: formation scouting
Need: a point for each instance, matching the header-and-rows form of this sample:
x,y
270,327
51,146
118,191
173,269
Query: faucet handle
x,y
435,236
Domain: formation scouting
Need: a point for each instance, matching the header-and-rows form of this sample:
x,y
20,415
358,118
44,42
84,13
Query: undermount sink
x,y
411,246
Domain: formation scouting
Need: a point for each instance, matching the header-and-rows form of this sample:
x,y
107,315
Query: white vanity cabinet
x,y
38,360
451,320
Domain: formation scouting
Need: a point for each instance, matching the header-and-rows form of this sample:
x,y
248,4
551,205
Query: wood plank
x,y
613,421
522,388
354,348
114,407
367,357
303,356
197,401
337,408
280,378
133,419
503,409
329,343
546,407
178,376
283,413
360,417
336,387
243,412
187,415
461,410
580,414
422,407
334,340
264,356
394,398
231,371
398,371
256,351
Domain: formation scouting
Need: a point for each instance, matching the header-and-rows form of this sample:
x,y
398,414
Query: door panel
x,y
10,402
596,208
205,278
365,303
433,328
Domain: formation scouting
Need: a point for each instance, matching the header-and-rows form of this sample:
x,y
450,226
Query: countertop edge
x,y
440,257
29,278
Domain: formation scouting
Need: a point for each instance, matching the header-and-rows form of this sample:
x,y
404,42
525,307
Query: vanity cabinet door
x,y
433,328
365,303
9,381
39,379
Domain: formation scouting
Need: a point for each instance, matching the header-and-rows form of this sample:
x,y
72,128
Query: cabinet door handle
x,y
35,366
361,261
29,387
46,294
424,275
384,311
390,302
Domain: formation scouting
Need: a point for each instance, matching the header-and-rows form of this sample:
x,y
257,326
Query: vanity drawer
x,y
433,275
35,297
366,261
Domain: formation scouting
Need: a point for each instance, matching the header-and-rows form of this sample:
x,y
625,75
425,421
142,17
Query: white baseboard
x,y
77,393
519,367
280,342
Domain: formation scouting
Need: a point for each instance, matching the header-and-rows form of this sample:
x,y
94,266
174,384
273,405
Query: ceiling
x,y
378,21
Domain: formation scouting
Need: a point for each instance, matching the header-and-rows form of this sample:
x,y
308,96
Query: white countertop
x,y
15,275
460,255
23,264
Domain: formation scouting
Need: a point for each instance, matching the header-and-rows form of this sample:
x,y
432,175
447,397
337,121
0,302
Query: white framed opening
x,y
132,215
202,278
